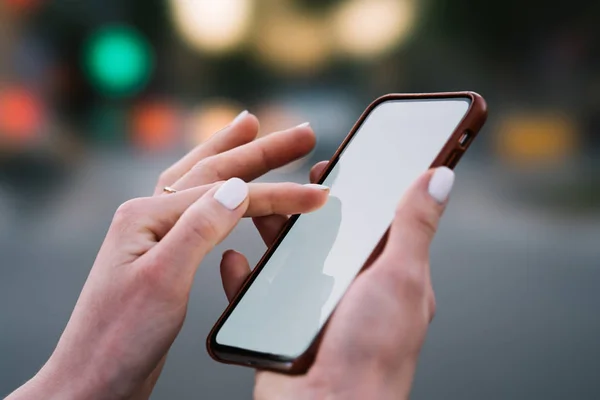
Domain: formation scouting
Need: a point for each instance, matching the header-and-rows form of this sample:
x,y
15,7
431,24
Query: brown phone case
x,y
451,153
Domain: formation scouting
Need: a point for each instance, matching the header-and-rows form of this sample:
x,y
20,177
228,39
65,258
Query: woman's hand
x,y
373,340
135,299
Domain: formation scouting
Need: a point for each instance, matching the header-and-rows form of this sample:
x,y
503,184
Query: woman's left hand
x,y
134,302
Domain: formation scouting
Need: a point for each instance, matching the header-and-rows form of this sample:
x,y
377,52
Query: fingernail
x,y
304,125
317,186
441,184
232,193
240,117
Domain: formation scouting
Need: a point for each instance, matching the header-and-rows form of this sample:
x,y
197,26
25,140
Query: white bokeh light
x,y
372,27
293,43
214,26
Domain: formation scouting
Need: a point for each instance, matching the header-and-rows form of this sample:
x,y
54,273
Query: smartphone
x,y
277,319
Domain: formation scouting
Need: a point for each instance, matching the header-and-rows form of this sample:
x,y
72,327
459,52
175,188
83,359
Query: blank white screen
x,y
309,272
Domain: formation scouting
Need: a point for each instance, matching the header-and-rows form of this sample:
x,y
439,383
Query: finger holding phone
x,y
371,346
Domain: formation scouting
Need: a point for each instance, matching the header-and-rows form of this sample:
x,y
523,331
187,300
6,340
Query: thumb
x,y
201,227
418,215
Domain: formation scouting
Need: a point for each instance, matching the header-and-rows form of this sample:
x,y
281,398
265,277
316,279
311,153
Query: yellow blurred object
x,y
365,28
293,42
208,119
214,26
534,138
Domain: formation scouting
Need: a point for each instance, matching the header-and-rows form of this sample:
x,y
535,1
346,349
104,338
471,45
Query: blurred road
x,y
517,291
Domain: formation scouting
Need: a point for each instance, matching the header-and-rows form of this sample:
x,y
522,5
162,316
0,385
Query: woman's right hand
x,y
135,299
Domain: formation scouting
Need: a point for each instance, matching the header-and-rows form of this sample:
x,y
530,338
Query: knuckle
x,y
153,278
202,164
424,220
413,280
152,270
308,201
204,229
269,204
207,168
128,211
266,158
206,164
406,277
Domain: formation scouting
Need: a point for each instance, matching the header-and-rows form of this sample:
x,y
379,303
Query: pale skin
x,y
134,302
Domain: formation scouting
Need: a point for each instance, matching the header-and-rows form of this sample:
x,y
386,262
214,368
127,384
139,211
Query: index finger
x,y
242,130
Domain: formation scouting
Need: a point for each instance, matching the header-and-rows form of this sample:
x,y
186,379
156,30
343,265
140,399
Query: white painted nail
x,y
441,184
304,125
240,117
317,186
232,193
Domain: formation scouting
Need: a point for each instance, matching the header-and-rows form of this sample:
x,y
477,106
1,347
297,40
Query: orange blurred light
x,y
21,114
154,126
21,4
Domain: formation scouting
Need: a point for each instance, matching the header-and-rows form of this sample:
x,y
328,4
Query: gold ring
x,y
169,190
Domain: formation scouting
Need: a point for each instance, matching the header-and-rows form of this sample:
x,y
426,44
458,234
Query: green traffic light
x,y
118,61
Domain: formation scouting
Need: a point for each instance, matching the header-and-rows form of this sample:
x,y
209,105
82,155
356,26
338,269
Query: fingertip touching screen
x,y
305,277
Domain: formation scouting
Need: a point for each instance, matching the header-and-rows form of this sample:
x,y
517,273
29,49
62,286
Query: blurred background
x,y
97,97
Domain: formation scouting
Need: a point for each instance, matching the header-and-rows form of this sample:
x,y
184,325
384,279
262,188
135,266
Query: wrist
x,y
53,383
365,382
41,386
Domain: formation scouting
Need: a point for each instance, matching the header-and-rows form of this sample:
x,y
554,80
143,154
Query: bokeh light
x,y
21,5
205,121
21,116
155,125
294,43
212,26
371,27
118,60
537,138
